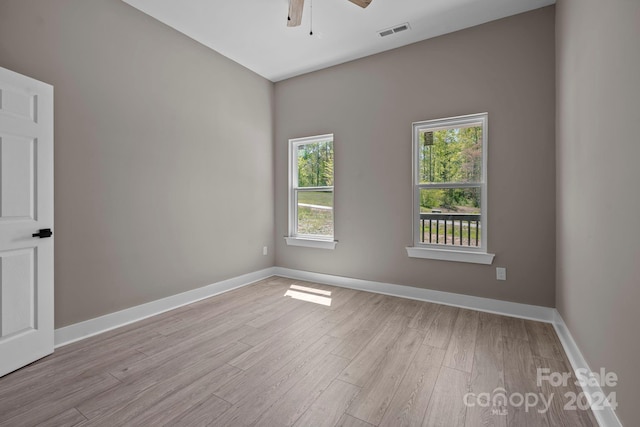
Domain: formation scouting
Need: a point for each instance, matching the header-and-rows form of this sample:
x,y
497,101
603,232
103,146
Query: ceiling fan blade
x,y
295,12
361,3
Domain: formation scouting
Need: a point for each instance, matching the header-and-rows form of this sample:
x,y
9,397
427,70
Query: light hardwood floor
x,y
255,357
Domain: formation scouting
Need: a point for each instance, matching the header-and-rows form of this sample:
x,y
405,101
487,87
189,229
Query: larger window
x,y
311,192
450,189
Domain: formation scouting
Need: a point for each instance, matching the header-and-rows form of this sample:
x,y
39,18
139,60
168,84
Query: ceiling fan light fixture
x,y
362,3
294,18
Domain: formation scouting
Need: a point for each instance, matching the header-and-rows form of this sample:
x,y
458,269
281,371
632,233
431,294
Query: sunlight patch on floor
x,y
303,296
312,290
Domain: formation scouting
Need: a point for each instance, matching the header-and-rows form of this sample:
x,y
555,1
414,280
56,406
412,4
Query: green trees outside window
x,y
313,187
450,156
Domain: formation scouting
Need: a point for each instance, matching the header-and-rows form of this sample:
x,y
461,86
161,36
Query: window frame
x,y
439,251
294,238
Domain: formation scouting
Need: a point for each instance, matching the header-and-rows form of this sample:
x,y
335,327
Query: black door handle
x,y
44,232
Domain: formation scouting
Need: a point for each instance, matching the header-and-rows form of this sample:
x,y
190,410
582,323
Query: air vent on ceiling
x,y
394,30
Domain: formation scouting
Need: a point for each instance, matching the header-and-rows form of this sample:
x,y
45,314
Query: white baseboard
x,y
98,325
513,309
606,417
88,328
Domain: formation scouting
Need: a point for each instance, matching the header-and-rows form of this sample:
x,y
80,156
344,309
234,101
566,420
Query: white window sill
x,y
311,243
451,255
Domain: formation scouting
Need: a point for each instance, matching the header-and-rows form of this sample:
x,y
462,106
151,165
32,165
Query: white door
x,y
26,208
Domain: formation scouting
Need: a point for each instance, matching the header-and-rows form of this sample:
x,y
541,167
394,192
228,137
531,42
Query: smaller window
x,y
311,218
450,189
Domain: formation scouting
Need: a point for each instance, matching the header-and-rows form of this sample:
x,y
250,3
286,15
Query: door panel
x,y
26,206
18,103
18,292
17,168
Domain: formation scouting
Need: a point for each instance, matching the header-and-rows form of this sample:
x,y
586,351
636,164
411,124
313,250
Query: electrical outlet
x,y
501,273
265,250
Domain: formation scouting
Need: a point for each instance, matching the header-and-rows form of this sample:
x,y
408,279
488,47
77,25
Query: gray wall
x,y
598,200
163,153
505,68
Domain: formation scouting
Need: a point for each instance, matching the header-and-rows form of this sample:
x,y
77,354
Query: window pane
x,y
315,164
451,155
315,213
450,216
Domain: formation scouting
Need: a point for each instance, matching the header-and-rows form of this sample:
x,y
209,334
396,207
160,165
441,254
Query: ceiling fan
x,y
296,6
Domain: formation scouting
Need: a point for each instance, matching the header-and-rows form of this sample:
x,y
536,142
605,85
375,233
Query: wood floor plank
x,y
225,308
409,307
365,363
203,414
134,411
63,377
446,407
68,397
199,332
327,410
353,301
170,322
296,320
349,421
544,341
352,323
260,397
337,317
520,377
174,360
167,379
439,334
173,406
559,396
384,380
126,337
424,317
262,360
69,418
355,341
514,328
487,375
286,410
297,335
52,368
277,310
106,401
463,341
410,402
342,297
261,375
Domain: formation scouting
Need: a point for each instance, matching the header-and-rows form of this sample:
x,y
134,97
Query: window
x,y
450,189
311,192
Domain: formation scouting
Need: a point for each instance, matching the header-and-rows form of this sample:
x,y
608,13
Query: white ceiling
x,y
254,33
